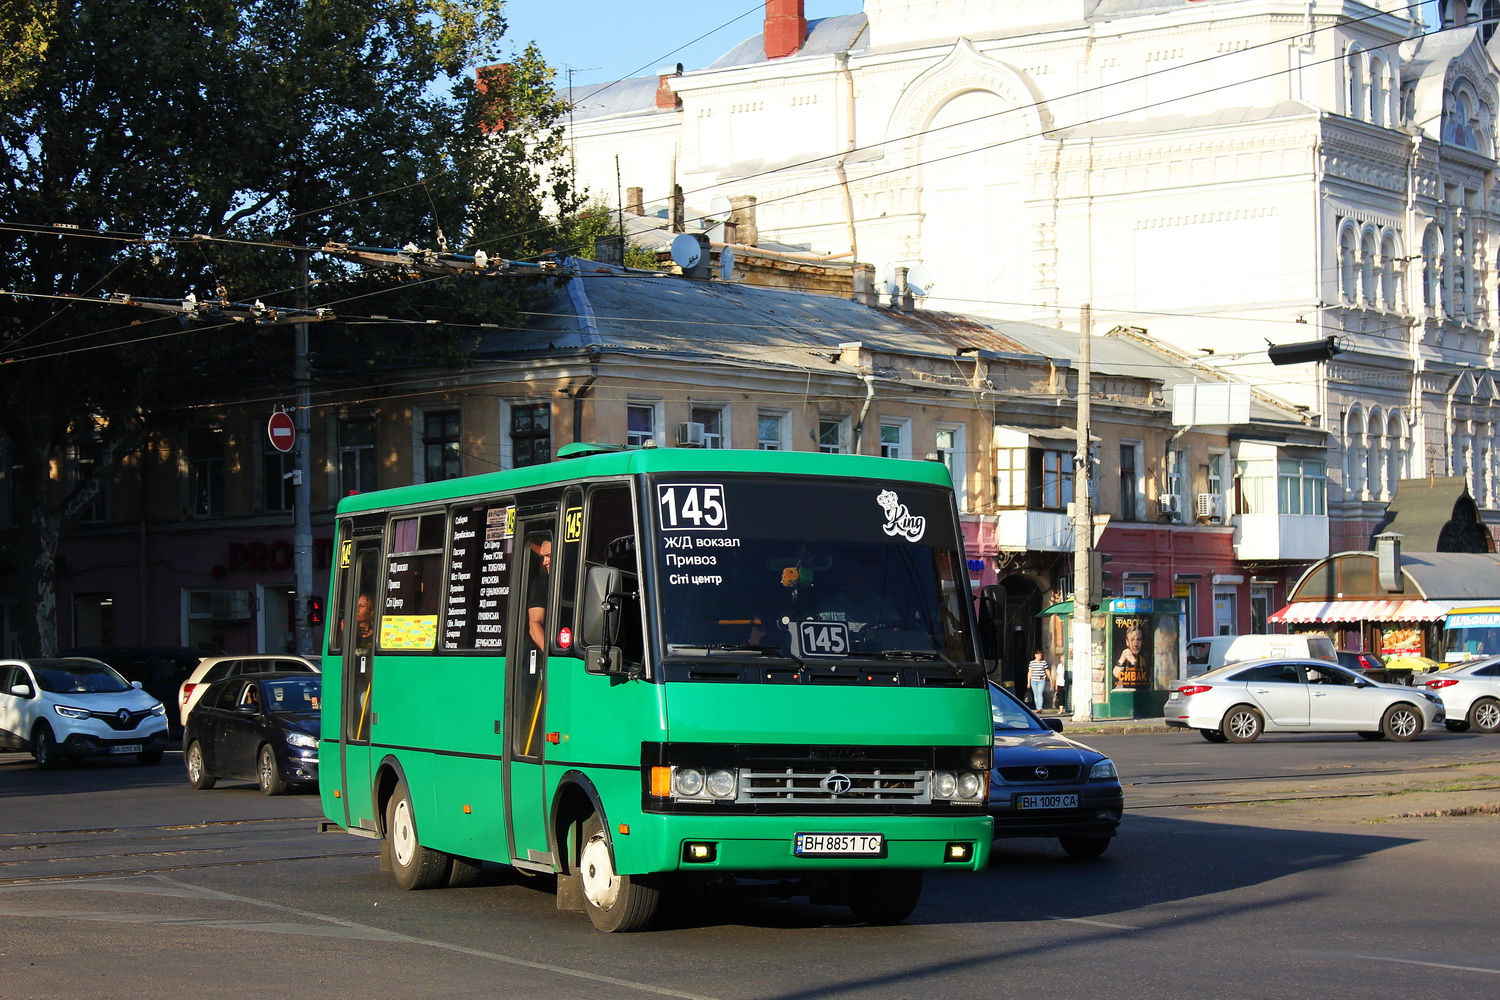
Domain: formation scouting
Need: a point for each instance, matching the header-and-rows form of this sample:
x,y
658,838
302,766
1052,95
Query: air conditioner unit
x,y
1211,506
231,605
1171,503
690,435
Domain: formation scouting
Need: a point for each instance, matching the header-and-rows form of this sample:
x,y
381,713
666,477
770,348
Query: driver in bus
x,y
536,592
855,603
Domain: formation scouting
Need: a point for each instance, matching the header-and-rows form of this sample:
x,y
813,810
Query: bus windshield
x,y
1471,632
811,571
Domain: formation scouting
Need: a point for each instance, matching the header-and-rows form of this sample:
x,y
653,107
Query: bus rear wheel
x,y
415,866
614,902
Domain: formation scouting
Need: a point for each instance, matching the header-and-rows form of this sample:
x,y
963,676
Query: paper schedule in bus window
x,y
478,578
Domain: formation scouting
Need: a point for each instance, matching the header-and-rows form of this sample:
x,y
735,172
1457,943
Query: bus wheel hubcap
x,y
600,887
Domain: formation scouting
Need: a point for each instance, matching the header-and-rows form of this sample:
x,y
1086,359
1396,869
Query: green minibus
x,y
649,671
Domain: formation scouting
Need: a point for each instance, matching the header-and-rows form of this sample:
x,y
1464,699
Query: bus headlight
x,y
958,786
694,783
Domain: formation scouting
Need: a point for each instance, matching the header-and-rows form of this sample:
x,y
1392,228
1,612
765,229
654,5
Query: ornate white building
x,y
1225,174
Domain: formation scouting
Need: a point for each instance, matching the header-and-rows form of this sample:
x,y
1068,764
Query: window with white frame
x,y
1354,77
895,437
1348,265
1302,487
770,430
1215,474
1432,269
715,425
1010,477
1176,463
642,420
1390,273
1368,295
833,435
949,441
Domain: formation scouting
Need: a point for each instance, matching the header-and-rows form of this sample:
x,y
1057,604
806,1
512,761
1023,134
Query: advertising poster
x,y
1132,640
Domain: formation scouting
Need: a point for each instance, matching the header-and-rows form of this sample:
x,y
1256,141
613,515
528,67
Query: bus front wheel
x,y
885,897
614,902
415,866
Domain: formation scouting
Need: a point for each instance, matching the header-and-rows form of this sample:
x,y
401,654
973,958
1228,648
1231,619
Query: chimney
x,y
634,201
742,217
786,28
667,99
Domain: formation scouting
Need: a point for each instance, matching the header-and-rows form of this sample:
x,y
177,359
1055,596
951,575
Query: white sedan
x,y
1471,694
1239,702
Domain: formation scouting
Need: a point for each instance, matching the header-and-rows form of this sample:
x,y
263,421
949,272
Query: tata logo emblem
x,y
1041,773
837,784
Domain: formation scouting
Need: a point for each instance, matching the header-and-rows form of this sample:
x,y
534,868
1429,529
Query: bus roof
x,y
656,460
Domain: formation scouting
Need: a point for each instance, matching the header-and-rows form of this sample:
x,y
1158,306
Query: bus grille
x,y
833,785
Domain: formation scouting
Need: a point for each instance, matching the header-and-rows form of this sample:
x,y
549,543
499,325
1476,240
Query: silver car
x,y
1470,692
1239,702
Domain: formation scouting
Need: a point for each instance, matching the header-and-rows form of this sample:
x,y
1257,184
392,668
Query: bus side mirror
x,y
991,614
603,608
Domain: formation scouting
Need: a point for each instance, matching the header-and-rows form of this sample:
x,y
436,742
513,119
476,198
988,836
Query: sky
x,y
604,40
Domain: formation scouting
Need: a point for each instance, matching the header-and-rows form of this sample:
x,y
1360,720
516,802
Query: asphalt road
x,y
1295,867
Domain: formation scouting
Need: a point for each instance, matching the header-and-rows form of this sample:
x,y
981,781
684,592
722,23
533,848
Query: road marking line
x,y
348,928
1095,923
1430,965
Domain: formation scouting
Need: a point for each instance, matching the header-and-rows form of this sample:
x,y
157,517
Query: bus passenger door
x,y
356,615
526,695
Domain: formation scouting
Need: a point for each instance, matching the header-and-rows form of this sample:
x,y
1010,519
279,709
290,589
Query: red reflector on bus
x,y
554,737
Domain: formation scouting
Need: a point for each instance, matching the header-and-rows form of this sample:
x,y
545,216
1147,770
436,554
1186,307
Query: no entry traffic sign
x,y
282,431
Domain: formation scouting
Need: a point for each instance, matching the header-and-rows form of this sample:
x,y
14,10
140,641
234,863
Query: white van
x,y
1208,652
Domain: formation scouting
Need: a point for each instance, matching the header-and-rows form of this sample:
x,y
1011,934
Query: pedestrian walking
x,y
1038,674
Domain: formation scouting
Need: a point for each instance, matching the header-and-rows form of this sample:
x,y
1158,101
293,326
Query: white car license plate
x,y
839,845
1046,801
126,748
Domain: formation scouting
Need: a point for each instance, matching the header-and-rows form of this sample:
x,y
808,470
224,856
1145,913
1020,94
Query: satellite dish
x,y
686,251
920,278
720,208
726,263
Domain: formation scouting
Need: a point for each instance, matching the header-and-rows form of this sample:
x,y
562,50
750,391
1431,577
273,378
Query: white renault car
x,y
1239,702
1471,694
68,708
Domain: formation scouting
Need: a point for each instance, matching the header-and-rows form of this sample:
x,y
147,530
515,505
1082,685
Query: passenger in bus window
x,y
536,592
364,619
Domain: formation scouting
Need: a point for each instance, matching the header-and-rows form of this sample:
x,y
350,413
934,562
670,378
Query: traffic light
x,y
315,612
1303,351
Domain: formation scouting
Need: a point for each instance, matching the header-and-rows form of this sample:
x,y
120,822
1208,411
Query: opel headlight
x,y
1104,769
303,740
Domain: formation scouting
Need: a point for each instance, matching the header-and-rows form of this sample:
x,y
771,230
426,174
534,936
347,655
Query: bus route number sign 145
x,y
692,507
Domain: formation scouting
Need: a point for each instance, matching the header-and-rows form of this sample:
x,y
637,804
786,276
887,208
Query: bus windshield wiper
x,y
725,647
921,654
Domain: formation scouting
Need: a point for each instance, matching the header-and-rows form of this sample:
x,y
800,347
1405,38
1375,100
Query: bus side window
x,y
565,563
610,540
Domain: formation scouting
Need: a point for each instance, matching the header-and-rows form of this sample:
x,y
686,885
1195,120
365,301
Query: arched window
x,y
1390,272
1396,456
1377,90
1354,70
1348,269
1459,124
1432,269
1367,292
1374,456
1354,453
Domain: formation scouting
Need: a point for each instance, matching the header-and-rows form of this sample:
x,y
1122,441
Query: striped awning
x,y
1313,612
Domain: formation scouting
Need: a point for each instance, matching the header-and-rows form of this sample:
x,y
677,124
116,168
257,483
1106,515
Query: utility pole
x,y
302,479
1081,638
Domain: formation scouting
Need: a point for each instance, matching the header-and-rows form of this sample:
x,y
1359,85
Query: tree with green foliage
x,y
130,127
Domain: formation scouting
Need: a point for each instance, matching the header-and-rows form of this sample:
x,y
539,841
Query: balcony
x,y
1280,536
1034,531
